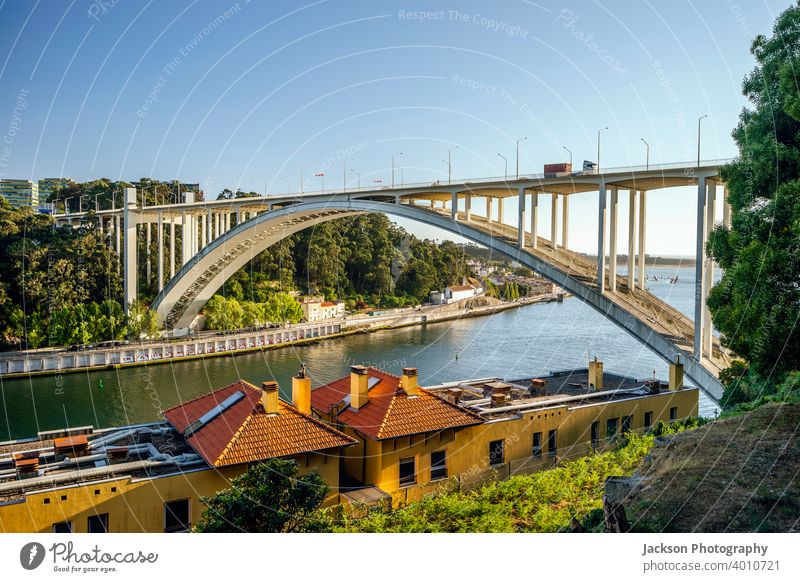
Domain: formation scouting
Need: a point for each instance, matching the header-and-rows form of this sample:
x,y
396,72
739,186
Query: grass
x,y
736,474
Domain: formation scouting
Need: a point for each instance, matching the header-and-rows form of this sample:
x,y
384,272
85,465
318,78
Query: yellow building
x,y
413,440
149,478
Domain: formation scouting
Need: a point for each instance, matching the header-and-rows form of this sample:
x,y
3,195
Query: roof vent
x,y
213,413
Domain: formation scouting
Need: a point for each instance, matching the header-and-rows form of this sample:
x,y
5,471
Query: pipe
x,y
560,400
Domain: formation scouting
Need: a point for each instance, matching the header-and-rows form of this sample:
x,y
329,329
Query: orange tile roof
x,y
244,433
390,412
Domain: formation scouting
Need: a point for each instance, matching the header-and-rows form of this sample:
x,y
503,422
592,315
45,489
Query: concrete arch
x,y
206,272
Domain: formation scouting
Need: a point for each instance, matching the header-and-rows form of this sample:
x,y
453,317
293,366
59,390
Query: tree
x,y
282,307
143,321
756,305
270,497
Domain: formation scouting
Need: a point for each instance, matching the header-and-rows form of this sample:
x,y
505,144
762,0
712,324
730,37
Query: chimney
x,y
359,386
498,400
269,396
538,387
301,390
676,374
596,374
408,381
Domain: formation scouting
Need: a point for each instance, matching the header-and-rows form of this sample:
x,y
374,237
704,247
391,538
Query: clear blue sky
x,y
231,94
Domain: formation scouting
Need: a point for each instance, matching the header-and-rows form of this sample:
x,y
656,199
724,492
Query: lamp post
x,y
598,147
519,140
398,154
647,155
699,119
570,156
449,163
505,172
359,177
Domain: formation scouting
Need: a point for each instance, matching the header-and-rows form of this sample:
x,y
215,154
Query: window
x,y
98,523
62,527
537,444
408,474
595,432
496,452
611,427
648,419
552,442
673,413
176,516
438,465
627,421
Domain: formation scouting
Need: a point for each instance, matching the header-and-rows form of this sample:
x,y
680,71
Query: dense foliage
x,y
270,497
57,285
757,303
224,313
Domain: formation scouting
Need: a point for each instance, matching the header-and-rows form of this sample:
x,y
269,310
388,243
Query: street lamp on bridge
x,y
647,155
393,166
357,173
519,140
570,156
505,172
598,147
699,119
449,163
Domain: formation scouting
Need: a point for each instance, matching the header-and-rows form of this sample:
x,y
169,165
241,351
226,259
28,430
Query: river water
x,y
524,342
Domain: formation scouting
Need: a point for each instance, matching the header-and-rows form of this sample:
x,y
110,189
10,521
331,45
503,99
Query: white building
x,y
454,294
322,310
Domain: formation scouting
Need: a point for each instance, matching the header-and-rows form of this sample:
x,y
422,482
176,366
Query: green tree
x,y
270,497
283,308
756,305
143,322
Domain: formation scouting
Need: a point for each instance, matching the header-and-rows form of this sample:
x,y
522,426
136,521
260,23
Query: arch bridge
x,y
219,237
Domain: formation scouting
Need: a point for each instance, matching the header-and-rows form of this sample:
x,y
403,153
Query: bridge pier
x,y
171,246
468,206
642,238
521,219
699,277
130,250
160,251
631,239
711,188
454,205
601,237
565,221
612,242
117,236
534,219
500,210
147,239
554,220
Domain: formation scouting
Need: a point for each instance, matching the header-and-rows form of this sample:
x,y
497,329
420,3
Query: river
x,y
518,343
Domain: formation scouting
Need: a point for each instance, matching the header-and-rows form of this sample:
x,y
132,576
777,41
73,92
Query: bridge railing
x,y
400,188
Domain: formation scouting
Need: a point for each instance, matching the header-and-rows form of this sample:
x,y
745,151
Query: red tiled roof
x,y
390,412
462,288
244,433
328,304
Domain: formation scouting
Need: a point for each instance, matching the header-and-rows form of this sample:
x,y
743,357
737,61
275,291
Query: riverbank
x,y
131,356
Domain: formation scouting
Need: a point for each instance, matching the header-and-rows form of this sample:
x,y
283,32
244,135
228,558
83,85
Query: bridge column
x,y
238,215
554,220
534,219
209,226
130,249
227,221
711,188
699,273
612,241
500,210
454,205
171,246
642,237
601,237
148,236
521,219
203,233
468,206
117,233
632,240
489,203
185,251
160,251
726,207
565,221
